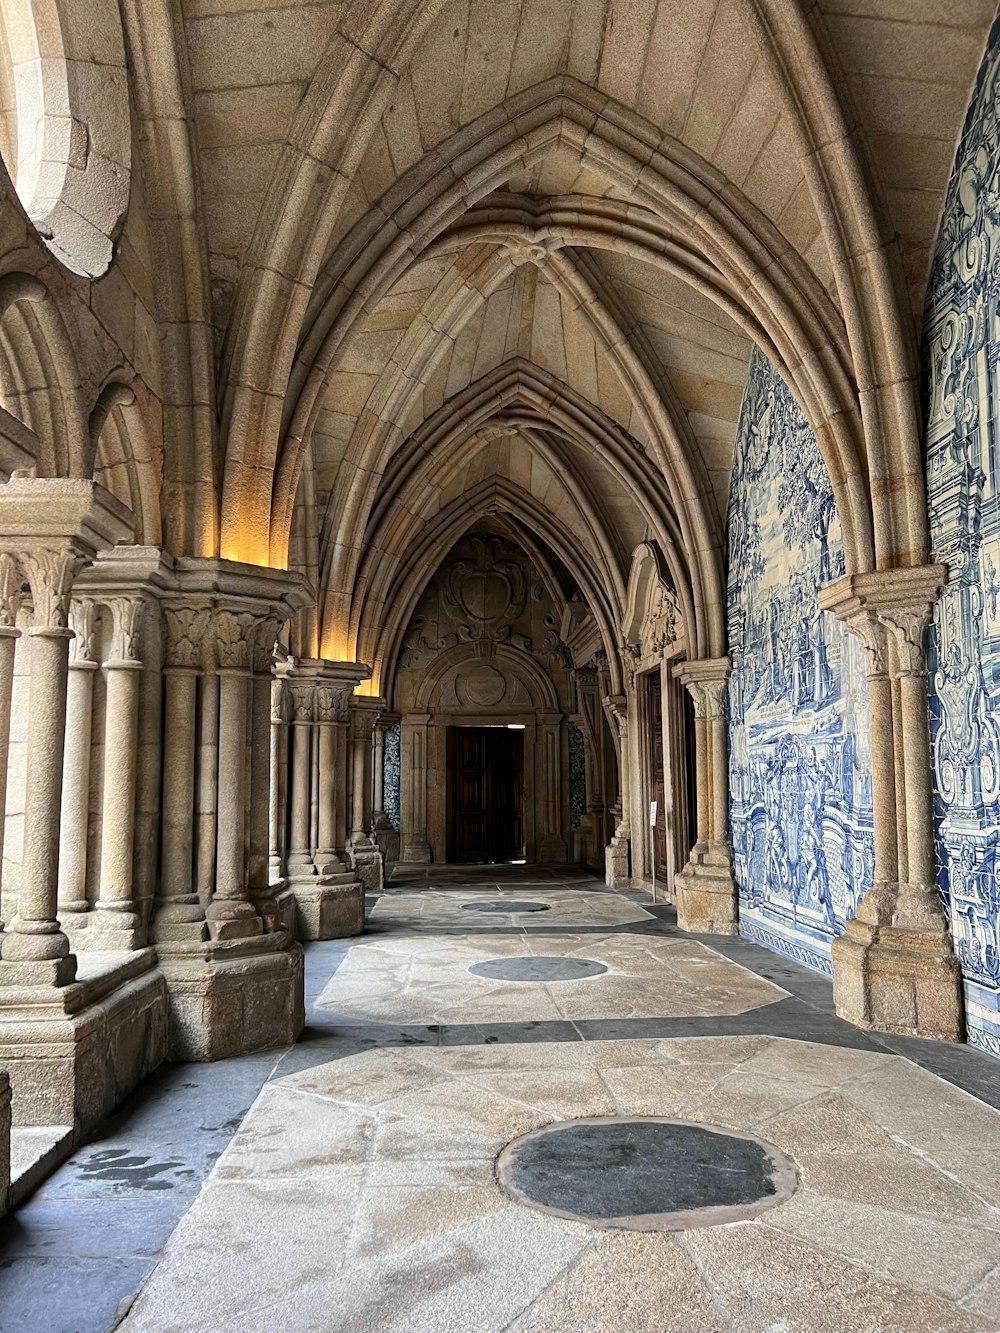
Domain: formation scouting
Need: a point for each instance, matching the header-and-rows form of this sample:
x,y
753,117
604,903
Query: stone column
x,y
231,913
75,816
262,661
300,860
413,766
706,893
115,919
378,773
35,950
327,861
277,807
894,967
616,855
340,779
11,578
178,913
207,768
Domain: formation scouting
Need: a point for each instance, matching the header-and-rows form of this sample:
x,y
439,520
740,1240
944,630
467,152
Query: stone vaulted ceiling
x,y
434,261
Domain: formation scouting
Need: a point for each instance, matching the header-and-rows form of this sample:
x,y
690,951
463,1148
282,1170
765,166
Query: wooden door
x,y
486,794
655,766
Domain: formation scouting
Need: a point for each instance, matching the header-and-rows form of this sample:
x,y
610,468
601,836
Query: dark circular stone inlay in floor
x,y
510,905
543,968
646,1174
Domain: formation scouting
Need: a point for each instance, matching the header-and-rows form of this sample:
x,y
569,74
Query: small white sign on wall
x,y
652,814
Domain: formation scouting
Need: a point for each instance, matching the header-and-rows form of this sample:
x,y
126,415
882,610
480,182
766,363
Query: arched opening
x,y
65,133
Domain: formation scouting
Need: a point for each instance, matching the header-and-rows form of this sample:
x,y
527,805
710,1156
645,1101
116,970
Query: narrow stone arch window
x,y
64,129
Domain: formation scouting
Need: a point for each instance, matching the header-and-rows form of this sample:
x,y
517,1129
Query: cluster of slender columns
x,y
319,734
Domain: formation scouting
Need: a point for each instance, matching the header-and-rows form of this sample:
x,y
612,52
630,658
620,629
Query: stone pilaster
x,y
706,894
413,747
894,967
551,845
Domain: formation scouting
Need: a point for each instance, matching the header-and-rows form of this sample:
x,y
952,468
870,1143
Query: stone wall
x,y
961,352
800,770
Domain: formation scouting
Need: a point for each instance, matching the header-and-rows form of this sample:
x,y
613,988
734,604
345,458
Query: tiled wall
x,y
390,775
962,399
800,769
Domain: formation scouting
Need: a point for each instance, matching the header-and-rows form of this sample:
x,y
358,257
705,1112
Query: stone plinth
x,y
74,1052
369,866
616,871
328,907
230,997
895,980
705,893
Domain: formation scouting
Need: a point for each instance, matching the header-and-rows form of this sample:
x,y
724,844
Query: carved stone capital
x,y
126,621
707,681
234,631
83,623
279,702
302,700
901,602
11,582
186,630
262,644
50,572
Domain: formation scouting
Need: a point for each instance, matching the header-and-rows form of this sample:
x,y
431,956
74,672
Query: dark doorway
x,y
656,768
485,794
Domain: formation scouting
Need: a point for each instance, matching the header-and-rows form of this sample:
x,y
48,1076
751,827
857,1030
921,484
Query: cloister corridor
x,y
368,1147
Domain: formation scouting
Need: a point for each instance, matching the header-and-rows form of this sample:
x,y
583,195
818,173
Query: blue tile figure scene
x,y
577,776
390,775
800,785
961,351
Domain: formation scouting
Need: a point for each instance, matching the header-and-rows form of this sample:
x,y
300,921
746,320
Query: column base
x,y
329,908
233,919
104,932
368,866
415,853
705,892
73,1052
616,872
552,850
386,837
226,998
892,979
179,919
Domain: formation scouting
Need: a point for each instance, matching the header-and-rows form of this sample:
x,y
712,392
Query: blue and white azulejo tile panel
x,y
390,775
800,764
962,406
